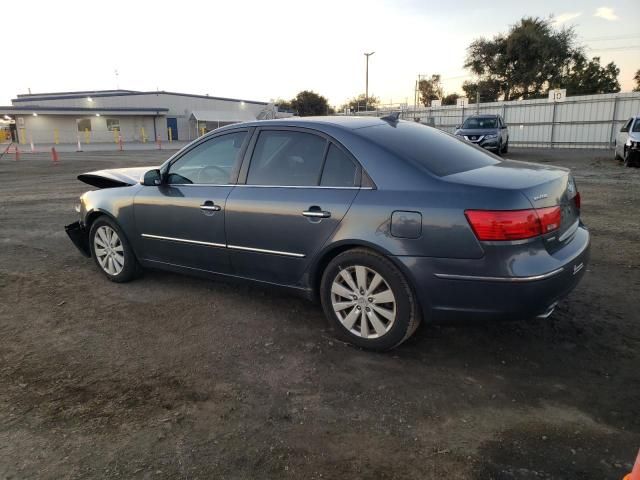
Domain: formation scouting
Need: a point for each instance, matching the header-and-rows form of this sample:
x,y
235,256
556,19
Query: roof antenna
x,y
392,118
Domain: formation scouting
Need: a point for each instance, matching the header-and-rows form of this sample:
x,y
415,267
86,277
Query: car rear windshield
x,y
440,153
480,122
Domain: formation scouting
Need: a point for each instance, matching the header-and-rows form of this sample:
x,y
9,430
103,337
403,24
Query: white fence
x,y
589,121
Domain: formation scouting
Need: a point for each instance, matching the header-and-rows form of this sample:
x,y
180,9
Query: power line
x,y
628,47
611,37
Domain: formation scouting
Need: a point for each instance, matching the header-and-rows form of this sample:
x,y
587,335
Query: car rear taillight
x,y
513,224
577,200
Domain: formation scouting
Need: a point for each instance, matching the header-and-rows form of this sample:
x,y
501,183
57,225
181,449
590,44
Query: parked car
x,y
386,222
627,144
486,131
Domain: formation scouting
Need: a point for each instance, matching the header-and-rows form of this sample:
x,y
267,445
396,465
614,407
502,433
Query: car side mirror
x,y
457,127
152,178
503,127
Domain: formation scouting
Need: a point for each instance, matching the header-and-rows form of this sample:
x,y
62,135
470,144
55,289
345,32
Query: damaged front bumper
x,y
79,235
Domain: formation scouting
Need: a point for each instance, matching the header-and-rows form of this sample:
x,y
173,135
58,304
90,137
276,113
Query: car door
x,y
294,189
622,137
181,222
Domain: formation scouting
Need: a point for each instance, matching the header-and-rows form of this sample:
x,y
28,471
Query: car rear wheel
x,y
368,300
111,251
505,149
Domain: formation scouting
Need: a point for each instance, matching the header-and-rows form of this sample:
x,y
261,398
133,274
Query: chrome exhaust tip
x,y
548,312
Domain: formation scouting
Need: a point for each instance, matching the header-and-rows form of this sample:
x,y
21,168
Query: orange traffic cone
x,y
54,156
635,473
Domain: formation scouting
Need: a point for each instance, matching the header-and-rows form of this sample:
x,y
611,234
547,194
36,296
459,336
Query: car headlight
x,y
491,136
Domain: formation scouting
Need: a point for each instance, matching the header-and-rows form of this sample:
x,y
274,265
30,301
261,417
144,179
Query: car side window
x,y
627,126
339,170
287,158
209,163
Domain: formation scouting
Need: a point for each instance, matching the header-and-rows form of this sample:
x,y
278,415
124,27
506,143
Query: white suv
x,y
627,146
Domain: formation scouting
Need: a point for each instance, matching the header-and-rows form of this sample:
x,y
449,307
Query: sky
x,y
269,49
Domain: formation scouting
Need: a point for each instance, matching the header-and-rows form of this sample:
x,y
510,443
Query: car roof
x,y
343,122
485,115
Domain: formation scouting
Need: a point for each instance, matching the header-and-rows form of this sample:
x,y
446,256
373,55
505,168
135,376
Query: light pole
x,y
366,93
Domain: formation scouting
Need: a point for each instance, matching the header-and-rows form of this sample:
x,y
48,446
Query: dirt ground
x,y
177,377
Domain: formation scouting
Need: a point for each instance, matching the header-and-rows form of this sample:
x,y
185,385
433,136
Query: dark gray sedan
x,y
386,222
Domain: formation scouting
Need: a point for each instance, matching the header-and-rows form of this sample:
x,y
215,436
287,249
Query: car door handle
x,y
316,213
209,206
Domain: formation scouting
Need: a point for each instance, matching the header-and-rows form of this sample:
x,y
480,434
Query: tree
x,y
308,103
489,90
283,104
430,89
637,80
589,77
532,56
450,99
358,103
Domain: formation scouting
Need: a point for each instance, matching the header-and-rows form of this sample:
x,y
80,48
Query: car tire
x,y
626,161
361,285
112,251
505,149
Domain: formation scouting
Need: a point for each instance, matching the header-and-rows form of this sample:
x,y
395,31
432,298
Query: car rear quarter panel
x,y
445,230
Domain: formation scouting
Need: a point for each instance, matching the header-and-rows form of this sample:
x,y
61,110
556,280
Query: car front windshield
x,y
480,122
636,126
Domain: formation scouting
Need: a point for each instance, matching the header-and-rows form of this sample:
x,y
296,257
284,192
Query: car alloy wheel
x,y
109,250
363,302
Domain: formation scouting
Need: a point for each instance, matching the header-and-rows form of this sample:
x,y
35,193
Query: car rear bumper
x,y
79,236
458,295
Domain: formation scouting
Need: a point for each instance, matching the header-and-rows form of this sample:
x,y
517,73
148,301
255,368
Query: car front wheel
x,y
111,251
368,300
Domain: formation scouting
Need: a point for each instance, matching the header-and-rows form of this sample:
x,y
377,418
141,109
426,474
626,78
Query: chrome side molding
x,y
531,278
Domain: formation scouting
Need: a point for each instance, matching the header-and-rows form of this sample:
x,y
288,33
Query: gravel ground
x,y
177,377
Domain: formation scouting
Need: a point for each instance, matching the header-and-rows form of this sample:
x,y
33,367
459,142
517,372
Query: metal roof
x,y
118,93
28,110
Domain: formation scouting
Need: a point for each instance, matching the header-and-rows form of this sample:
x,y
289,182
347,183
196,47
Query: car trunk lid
x,y
544,186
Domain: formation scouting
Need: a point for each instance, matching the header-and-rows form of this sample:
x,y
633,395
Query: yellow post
x,y
115,135
201,131
23,136
170,135
56,136
142,135
87,138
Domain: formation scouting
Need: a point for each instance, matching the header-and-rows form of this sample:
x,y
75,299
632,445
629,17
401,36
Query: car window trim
x,y
248,154
235,171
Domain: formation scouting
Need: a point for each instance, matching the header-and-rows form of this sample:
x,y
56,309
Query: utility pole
x,y
366,94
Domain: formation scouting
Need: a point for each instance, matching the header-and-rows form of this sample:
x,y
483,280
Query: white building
x,y
108,115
